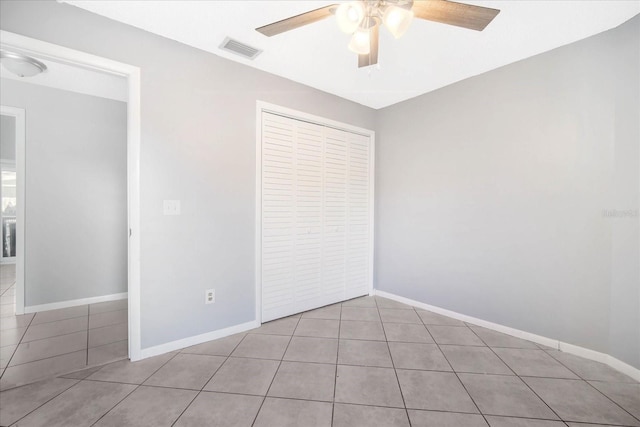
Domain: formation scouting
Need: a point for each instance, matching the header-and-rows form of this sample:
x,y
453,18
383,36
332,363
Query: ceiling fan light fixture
x,y
349,16
397,20
361,42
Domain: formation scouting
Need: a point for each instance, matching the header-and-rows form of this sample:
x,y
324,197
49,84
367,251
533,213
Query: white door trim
x,y
46,50
261,107
19,115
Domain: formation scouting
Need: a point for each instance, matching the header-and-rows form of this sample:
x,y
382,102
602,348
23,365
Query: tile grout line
x,y
454,371
335,376
210,378
595,388
518,376
16,349
137,386
404,403
277,369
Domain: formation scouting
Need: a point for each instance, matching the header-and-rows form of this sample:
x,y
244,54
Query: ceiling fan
x,y
362,19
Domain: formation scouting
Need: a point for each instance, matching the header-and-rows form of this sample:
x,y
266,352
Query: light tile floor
x,y
366,362
48,343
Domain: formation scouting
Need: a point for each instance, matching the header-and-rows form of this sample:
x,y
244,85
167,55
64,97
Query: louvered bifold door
x,y
315,216
278,215
358,262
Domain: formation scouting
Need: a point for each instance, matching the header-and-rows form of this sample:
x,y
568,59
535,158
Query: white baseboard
x,y
74,303
197,339
597,356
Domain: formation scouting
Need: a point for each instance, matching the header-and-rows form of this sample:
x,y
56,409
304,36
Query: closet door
x,y
315,216
278,215
335,213
358,257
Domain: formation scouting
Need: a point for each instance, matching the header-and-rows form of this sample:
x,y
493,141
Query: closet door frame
x,y
261,107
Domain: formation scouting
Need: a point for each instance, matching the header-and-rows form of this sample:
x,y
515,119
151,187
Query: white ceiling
x,y
429,56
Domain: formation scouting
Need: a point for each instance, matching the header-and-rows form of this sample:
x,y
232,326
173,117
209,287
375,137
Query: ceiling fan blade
x,y
297,21
452,13
372,57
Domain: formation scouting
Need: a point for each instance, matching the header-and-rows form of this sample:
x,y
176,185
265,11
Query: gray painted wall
x,y
198,145
76,185
490,195
8,138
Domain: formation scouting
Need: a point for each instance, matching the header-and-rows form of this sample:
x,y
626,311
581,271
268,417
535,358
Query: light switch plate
x,y
171,207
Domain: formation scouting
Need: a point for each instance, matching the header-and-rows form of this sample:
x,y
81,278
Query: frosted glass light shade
x,y
21,65
349,16
360,42
397,20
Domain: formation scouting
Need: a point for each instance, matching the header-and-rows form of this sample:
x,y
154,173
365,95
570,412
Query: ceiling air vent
x,y
241,49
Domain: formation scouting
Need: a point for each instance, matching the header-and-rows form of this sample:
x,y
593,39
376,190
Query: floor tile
x,y
129,372
108,334
533,363
220,347
329,312
345,415
309,381
394,315
368,386
21,321
368,314
262,346
221,410
624,394
436,391
505,395
42,369
407,332
360,302
246,376
56,328
81,405
82,374
431,318
49,347
364,353
108,353
418,356
60,314
102,307
576,400
5,354
11,336
457,335
522,422
108,318
497,339
148,406
388,303
589,369
293,413
309,349
284,326
479,360
18,402
445,419
191,371
321,328
351,329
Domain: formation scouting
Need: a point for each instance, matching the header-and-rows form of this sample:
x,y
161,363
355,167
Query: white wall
x,y
76,193
198,146
8,138
490,195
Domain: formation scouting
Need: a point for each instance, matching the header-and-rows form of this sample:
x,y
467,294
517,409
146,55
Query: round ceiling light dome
x,y
21,65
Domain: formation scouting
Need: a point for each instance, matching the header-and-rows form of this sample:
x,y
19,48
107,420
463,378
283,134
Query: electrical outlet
x,y
210,296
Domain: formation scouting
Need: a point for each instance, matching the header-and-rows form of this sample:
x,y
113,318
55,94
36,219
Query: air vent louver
x,y
241,49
